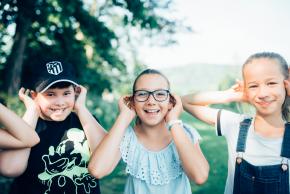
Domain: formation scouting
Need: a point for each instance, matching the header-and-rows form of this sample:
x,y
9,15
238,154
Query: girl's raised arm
x,y
193,161
197,103
107,155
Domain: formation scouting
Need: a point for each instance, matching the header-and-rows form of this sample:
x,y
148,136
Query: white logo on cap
x,y
54,67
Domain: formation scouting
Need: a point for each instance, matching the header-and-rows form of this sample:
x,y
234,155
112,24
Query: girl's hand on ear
x,y
81,95
24,96
126,106
237,92
287,86
175,110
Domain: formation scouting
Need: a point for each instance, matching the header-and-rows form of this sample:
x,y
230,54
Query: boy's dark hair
x,y
61,85
284,70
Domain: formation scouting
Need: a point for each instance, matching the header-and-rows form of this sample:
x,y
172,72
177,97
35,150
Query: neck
x,y
269,126
152,131
275,120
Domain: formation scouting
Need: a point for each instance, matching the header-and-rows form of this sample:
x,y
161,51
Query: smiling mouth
x,y
155,111
58,110
264,103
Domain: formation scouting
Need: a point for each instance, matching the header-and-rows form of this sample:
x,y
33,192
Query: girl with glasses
x,y
160,152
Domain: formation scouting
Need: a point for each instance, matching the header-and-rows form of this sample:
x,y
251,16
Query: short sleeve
x,y
227,122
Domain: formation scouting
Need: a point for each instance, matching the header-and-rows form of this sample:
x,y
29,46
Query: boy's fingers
x,y
27,92
20,92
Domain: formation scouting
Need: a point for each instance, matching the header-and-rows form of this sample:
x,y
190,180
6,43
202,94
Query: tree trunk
x,y
15,60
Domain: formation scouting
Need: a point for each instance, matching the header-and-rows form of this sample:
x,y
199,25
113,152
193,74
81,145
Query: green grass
x,y
213,147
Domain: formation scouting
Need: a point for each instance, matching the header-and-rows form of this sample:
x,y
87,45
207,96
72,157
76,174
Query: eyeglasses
x,y
158,95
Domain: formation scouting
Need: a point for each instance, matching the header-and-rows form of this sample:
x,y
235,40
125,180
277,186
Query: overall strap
x,y
244,128
285,151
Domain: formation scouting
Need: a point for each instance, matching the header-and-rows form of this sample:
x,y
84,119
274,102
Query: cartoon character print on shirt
x,y
66,165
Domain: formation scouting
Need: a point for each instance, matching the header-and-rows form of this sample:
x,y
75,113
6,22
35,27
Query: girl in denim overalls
x,y
258,146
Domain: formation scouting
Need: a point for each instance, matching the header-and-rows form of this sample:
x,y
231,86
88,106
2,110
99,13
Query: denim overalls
x,y
250,179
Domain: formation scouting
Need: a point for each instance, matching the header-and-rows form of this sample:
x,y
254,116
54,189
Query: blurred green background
x,y
99,38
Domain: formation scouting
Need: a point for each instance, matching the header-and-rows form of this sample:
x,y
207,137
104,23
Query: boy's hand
x,y
287,86
27,100
126,106
176,110
81,94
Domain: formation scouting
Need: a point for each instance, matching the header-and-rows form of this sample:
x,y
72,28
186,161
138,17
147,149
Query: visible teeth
x,y
57,109
151,111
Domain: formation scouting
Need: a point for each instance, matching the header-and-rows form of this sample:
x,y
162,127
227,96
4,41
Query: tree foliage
x,y
85,33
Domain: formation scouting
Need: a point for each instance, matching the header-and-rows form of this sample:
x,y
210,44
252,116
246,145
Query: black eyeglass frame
x,y
151,93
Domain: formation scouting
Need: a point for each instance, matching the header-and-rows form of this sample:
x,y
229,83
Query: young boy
x,y
58,164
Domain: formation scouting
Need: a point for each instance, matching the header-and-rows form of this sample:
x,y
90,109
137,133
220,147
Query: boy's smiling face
x,y
56,104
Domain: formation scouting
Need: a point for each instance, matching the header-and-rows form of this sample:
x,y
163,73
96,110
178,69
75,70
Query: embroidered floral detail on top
x,y
157,168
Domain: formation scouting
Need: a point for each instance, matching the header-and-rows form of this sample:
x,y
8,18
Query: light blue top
x,y
153,172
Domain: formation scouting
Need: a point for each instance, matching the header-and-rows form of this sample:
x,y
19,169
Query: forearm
x,y
31,117
193,161
23,133
107,154
196,104
93,130
13,162
207,98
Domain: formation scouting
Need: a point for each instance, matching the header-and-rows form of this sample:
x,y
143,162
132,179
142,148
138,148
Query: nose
x,y
59,101
151,99
263,92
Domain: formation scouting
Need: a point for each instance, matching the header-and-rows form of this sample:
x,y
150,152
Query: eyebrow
x,y
152,90
268,79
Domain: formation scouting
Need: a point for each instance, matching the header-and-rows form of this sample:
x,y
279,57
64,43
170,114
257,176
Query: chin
x,y
59,118
152,123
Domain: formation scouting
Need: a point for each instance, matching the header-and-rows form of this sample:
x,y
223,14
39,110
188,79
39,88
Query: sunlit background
x,y
225,32
198,44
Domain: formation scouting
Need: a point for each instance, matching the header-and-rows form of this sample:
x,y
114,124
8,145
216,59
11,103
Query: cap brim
x,y
57,81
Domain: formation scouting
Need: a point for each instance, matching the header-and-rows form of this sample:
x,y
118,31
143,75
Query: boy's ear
x,y
33,94
78,90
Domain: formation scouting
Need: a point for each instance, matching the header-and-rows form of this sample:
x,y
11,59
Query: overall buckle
x,y
284,164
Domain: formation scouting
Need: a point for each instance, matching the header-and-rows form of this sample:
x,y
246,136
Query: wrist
x,y
33,110
80,109
171,123
126,116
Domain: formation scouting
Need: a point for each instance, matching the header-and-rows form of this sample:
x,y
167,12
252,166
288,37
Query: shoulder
x,y
228,121
192,133
231,117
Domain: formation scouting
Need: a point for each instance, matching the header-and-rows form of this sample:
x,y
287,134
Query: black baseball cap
x,y
50,72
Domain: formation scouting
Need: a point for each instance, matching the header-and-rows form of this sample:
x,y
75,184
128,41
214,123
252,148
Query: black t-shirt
x,y
58,164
